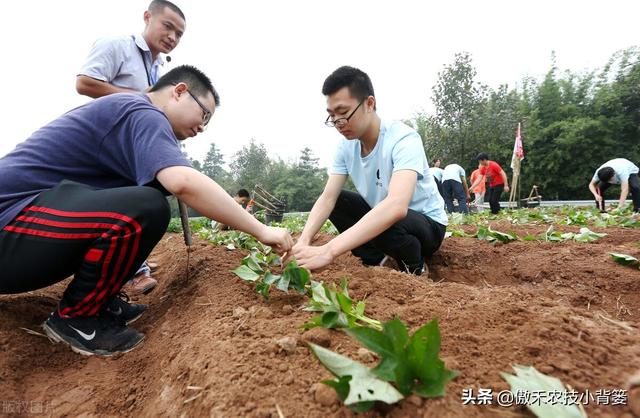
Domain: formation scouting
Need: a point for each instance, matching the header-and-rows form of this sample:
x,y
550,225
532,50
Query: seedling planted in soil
x,y
409,363
338,309
256,267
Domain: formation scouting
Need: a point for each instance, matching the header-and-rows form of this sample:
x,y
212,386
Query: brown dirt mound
x,y
211,346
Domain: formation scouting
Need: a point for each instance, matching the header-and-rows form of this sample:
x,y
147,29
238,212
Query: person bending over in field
x,y
85,196
617,171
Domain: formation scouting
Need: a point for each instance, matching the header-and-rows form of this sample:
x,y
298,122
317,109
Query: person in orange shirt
x,y
479,190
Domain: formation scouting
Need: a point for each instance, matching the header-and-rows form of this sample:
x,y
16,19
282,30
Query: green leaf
x,y
330,319
624,259
396,332
263,289
314,322
341,385
586,235
345,302
374,340
253,262
270,278
529,380
283,282
364,386
245,273
297,277
423,350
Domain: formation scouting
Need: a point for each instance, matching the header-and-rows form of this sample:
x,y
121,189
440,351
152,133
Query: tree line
x,y
572,122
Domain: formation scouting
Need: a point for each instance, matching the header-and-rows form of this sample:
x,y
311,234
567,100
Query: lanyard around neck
x,y
144,62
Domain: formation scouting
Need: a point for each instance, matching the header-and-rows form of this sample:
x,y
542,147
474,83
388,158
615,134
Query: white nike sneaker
x,y
102,334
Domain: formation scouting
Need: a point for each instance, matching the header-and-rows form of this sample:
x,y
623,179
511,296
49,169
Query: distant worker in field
x,y
85,196
495,176
436,172
617,171
454,186
479,191
133,64
243,198
397,209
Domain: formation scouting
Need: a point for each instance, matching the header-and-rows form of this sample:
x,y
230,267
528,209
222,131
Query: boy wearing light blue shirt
x,y
397,209
617,171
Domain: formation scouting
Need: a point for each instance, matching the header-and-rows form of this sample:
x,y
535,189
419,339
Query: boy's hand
x,y
278,238
311,257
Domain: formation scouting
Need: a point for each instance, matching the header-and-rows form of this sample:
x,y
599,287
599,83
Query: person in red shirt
x,y
497,178
478,191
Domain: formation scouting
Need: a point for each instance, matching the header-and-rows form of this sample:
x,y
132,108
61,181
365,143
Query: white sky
x,y
268,59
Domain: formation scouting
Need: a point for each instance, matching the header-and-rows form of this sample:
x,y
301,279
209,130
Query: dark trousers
x,y
99,236
453,189
408,241
494,197
634,189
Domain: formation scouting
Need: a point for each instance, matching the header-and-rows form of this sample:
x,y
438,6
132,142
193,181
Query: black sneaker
x,y
128,312
102,334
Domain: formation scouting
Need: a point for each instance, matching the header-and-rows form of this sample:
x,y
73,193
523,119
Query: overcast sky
x,y
268,59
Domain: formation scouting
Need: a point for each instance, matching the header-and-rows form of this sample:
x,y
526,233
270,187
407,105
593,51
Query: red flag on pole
x,y
518,150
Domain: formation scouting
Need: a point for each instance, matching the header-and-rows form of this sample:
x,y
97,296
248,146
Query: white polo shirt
x,y
119,61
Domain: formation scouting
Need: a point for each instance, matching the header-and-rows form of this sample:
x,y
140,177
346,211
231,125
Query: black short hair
x,y
159,5
605,174
243,193
197,81
482,156
356,80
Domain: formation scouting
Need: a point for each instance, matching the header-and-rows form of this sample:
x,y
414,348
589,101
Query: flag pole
x,y
516,157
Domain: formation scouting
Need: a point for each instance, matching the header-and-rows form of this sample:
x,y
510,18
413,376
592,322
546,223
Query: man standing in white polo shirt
x,y
132,63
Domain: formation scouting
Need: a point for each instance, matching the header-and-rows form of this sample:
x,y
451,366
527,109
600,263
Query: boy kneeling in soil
x,y
85,195
617,171
397,210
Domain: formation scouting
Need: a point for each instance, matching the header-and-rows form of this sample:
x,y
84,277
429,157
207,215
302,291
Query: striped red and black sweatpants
x,y
99,236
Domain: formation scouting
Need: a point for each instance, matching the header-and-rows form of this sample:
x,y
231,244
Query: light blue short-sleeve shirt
x,y
436,172
622,167
453,172
399,147
119,61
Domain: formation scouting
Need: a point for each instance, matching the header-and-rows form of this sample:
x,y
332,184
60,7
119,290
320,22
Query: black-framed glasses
x,y
207,113
340,122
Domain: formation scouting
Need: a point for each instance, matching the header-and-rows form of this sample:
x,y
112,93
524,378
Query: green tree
x,y
250,165
458,101
304,182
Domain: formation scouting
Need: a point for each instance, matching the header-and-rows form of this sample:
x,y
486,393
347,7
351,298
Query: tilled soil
x,y
211,342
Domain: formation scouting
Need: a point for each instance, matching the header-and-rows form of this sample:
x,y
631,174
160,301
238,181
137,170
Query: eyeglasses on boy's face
x,y
206,117
341,122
